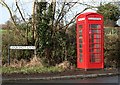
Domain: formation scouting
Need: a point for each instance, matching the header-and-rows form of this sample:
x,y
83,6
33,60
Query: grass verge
x,y
26,70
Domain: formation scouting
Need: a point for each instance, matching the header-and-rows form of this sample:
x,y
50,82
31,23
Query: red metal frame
x,y
90,41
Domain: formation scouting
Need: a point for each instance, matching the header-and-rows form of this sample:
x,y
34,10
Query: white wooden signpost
x,y
23,47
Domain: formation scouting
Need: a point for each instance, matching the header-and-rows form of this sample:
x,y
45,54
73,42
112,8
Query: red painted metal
x,y
90,41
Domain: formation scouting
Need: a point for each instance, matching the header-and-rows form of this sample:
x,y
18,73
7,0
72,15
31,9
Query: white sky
x,y
27,7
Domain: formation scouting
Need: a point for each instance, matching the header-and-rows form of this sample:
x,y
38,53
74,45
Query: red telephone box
x,y
90,41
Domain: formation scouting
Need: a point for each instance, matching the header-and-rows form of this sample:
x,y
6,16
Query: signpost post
x,y
19,48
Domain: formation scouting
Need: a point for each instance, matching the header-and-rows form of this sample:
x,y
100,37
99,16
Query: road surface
x,y
110,79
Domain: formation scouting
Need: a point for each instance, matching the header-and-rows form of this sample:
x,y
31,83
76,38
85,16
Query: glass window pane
x,y
97,60
81,60
98,50
80,36
92,59
91,50
95,31
81,57
91,39
98,36
97,40
95,57
80,54
80,31
95,26
80,50
80,40
97,45
80,45
91,45
80,26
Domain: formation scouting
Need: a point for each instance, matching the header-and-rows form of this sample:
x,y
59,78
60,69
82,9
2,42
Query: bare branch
x,y
61,15
67,11
57,21
5,5
22,18
54,7
89,7
66,26
11,15
19,10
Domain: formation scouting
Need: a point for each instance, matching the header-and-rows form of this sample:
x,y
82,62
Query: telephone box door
x,y
95,45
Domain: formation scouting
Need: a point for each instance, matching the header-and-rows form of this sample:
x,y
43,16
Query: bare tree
x,y
65,8
59,12
10,12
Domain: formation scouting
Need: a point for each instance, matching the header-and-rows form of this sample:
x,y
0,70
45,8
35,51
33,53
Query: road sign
x,y
118,22
23,47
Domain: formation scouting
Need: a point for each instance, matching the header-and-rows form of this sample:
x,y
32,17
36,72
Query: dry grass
x,y
35,61
64,65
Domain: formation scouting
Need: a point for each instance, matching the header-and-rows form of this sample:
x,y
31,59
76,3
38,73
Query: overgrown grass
x,y
26,70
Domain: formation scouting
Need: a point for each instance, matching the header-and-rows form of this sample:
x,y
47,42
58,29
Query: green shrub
x,y
11,37
112,48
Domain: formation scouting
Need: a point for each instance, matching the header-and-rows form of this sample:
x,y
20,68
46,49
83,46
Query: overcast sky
x,y
26,5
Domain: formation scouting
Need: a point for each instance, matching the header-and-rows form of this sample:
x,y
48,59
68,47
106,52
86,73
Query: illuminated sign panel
x,y
80,19
91,18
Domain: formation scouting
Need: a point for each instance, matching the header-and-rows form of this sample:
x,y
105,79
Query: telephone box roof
x,y
89,13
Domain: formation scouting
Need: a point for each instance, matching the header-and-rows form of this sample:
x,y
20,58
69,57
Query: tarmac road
x,y
110,79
